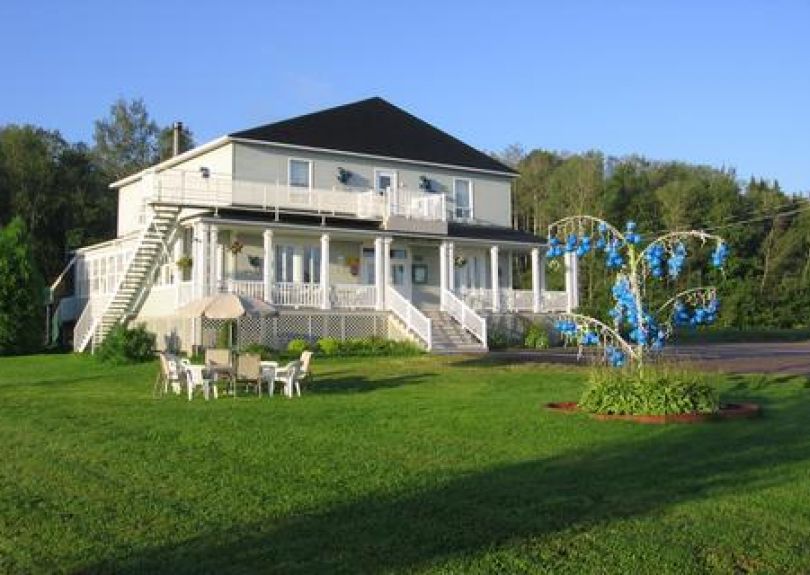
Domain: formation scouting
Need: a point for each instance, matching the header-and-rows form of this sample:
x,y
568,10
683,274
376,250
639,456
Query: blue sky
x,y
723,83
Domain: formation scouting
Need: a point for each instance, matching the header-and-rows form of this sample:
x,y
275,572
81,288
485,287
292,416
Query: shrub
x,y
497,339
123,345
655,390
297,346
329,345
264,351
536,337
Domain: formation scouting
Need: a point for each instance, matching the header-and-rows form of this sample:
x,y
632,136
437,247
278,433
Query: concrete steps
x,y
450,337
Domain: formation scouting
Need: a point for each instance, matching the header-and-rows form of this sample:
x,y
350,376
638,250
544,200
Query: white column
x,y
326,300
379,274
198,259
177,253
387,262
537,296
571,281
451,267
496,288
269,266
213,264
443,266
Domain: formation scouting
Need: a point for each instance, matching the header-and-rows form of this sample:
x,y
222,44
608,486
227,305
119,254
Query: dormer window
x,y
300,173
463,198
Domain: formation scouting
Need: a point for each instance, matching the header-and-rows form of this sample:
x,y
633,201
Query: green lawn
x,y
390,465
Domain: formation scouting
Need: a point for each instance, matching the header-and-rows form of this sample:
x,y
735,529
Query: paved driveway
x,y
787,358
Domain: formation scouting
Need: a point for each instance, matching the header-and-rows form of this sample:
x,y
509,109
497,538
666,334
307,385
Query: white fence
x,y
513,300
297,295
354,296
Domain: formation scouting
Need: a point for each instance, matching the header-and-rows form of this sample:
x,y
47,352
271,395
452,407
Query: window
x,y
312,264
300,172
284,263
385,180
399,254
462,195
397,274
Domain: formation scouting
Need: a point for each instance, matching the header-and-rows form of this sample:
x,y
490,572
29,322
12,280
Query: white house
x,y
354,221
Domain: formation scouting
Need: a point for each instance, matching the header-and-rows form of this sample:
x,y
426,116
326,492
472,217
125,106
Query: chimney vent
x,y
177,128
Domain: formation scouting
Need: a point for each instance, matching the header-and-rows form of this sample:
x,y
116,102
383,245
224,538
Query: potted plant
x,y
354,265
184,263
460,261
425,184
343,175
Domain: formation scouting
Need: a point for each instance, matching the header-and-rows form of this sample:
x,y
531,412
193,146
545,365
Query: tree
x,y
21,292
127,140
166,141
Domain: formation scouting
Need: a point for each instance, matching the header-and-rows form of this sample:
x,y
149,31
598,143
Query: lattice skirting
x,y
276,332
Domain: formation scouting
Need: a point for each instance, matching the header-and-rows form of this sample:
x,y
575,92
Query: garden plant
x,y
639,328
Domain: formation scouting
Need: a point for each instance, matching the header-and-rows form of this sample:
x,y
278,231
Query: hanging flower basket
x,y
184,263
460,261
354,265
236,247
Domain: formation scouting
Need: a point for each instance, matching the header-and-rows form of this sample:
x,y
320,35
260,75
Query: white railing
x,y
251,288
86,325
464,315
295,294
415,321
194,189
354,296
554,301
520,300
476,298
415,204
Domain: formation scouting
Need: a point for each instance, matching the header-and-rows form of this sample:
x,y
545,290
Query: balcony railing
x,y
195,189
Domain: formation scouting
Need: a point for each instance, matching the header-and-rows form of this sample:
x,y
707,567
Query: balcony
x,y
398,209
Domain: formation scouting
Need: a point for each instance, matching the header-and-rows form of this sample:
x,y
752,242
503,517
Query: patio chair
x,y
218,357
269,375
196,377
306,374
249,371
290,375
170,374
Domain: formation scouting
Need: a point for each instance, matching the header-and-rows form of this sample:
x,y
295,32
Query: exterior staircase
x,y
97,321
450,337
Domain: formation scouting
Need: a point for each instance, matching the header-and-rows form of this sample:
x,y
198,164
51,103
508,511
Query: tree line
x,y
767,280
55,197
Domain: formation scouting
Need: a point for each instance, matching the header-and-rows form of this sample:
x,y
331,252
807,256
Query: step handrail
x,y
415,321
93,318
464,315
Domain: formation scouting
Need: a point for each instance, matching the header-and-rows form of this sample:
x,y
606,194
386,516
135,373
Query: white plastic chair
x,y
171,373
269,375
289,375
195,378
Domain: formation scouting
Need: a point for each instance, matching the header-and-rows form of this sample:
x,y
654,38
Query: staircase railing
x,y
415,321
464,315
87,325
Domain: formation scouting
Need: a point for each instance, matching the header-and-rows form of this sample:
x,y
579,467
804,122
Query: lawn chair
x,y
218,357
306,374
290,375
171,373
249,371
196,377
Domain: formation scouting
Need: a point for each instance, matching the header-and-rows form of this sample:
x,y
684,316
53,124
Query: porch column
x,y
387,263
571,282
443,266
213,261
537,296
379,274
451,267
177,253
326,300
269,266
199,250
496,288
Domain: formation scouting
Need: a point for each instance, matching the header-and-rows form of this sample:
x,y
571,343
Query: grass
x,y
390,465
732,335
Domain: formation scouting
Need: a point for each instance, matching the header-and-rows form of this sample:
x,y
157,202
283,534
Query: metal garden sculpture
x,y
637,330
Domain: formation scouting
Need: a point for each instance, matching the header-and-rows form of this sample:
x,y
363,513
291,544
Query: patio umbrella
x,y
227,306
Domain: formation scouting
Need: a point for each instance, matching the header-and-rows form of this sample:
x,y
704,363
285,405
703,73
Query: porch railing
x,y
512,299
353,296
415,321
464,315
192,188
294,294
251,288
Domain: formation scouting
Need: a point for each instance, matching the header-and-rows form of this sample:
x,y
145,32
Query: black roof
x,y
377,128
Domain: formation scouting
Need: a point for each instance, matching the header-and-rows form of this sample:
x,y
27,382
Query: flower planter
x,y
727,411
